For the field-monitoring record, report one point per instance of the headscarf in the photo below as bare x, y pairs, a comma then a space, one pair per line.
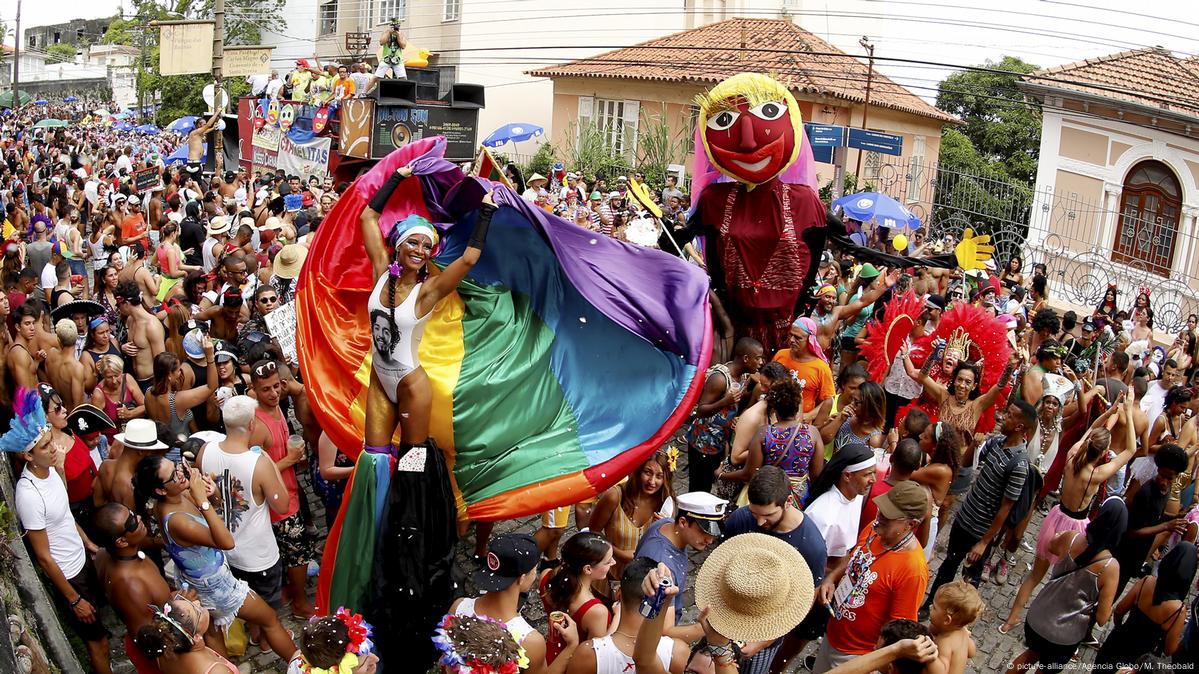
809, 327
1175, 573
1105, 531
846, 457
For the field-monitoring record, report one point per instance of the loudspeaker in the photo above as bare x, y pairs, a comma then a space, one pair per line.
395, 92
467, 96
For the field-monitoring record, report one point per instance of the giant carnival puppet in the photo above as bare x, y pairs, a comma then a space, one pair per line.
494, 360
756, 206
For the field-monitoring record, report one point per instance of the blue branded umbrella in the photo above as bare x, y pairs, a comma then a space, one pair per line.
69, 99
148, 129
124, 126
884, 210
179, 155
513, 133
41, 101
183, 124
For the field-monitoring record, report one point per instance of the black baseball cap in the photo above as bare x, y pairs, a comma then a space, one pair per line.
508, 557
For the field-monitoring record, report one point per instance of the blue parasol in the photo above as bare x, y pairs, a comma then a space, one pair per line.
148, 129
884, 210
513, 133
41, 101
183, 124
69, 99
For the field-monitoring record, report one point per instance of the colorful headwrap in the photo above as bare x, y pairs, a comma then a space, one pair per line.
809, 327
413, 224
826, 289
358, 645
444, 637
29, 424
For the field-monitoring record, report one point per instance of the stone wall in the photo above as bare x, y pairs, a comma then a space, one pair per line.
37, 643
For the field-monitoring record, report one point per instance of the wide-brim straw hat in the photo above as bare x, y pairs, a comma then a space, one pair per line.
290, 260
756, 588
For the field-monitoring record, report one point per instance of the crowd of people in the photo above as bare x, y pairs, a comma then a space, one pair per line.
162, 433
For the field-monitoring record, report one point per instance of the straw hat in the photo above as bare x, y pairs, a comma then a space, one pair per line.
756, 588
289, 261
218, 225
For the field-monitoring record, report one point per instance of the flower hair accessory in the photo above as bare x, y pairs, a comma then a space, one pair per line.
358, 643
1144, 290
492, 656
672, 458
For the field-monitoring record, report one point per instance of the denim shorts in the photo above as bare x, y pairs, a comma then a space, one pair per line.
220, 593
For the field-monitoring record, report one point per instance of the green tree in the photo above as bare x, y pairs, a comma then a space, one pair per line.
181, 94
542, 162
1003, 127
657, 147
60, 53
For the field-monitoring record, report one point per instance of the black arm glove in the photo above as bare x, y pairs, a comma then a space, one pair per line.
479, 235
379, 201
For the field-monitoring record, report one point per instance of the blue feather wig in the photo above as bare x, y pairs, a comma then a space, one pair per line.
28, 424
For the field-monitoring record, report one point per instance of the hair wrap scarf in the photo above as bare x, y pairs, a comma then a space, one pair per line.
809, 327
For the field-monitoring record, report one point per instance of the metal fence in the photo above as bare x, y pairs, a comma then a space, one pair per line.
1084, 245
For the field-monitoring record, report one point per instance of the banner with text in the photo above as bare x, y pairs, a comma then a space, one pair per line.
304, 159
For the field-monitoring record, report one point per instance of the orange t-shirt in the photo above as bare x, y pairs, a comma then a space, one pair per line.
877, 587
816, 375
133, 228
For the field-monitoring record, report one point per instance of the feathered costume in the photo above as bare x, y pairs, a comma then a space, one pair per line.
755, 201
29, 425
979, 336
556, 369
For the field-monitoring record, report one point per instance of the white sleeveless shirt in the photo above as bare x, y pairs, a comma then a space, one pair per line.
519, 625
611, 660
255, 548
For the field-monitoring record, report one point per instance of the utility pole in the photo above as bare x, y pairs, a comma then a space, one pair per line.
865, 42
141, 71
16, 63
218, 62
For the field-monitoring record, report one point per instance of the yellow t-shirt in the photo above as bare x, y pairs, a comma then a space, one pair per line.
299, 84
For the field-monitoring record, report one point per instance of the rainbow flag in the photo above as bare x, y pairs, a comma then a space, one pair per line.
485, 166
563, 361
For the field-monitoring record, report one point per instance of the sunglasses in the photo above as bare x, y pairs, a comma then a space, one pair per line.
268, 300
266, 369
131, 522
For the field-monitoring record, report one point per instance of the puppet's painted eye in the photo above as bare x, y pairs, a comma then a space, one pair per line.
723, 120
769, 111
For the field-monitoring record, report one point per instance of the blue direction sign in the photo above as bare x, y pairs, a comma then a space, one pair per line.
874, 141
825, 135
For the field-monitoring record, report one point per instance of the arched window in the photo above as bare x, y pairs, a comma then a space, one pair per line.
1149, 209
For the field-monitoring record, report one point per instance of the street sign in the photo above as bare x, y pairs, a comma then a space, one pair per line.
874, 141
243, 61
822, 154
357, 43
825, 135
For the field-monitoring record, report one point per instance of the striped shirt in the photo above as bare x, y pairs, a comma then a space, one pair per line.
1001, 474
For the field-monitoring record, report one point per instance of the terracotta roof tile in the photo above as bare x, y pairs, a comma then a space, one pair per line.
1151, 77
711, 53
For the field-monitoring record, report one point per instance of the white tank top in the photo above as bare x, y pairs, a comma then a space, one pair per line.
611, 660
395, 354
519, 625
255, 548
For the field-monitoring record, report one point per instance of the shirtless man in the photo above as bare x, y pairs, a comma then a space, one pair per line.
147, 337
831, 317
136, 271
24, 355
66, 374
195, 145
115, 481
131, 581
